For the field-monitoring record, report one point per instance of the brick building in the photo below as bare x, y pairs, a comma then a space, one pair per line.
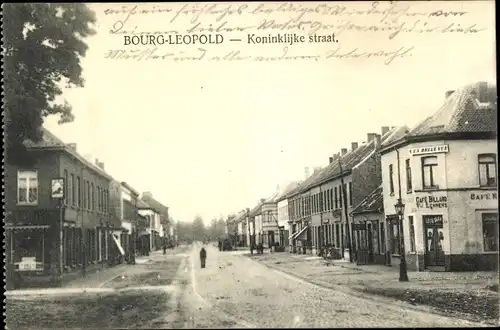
319, 200
445, 172
163, 227
49, 239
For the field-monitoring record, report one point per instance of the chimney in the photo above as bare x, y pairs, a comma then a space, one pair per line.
330, 160
354, 145
447, 94
306, 172
101, 165
343, 151
72, 146
385, 130
377, 140
482, 91
147, 194
370, 136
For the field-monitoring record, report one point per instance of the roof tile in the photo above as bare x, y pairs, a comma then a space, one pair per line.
462, 112
374, 202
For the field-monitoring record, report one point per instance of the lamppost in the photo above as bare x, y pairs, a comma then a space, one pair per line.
403, 271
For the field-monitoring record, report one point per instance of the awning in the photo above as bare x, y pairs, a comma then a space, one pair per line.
143, 233
118, 245
298, 233
127, 225
27, 227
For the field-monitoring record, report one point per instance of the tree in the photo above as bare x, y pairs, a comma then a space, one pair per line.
43, 44
198, 229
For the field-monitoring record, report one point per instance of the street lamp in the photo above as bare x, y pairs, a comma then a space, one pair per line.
403, 271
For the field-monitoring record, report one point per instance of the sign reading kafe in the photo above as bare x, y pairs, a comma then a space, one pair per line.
431, 202
428, 150
484, 196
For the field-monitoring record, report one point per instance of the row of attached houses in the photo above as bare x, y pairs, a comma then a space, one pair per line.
66, 215
443, 172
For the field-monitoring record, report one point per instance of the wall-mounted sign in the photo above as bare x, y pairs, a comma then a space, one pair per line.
57, 190
428, 150
484, 196
431, 202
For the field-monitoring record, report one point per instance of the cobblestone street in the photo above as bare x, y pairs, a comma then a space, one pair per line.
263, 297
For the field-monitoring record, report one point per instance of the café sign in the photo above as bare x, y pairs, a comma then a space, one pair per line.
484, 196
429, 150
431, 202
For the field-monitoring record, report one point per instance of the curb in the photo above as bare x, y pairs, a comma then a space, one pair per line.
386, 301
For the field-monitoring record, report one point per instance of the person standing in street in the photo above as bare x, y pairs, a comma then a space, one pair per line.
203, 257
164, 247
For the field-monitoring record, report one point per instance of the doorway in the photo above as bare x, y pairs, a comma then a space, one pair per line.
434, 237
270, 238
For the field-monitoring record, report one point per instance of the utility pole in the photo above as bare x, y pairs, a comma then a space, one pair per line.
344, 198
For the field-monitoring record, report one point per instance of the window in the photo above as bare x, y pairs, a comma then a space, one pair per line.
79, 192
72, 194
98, 199
490, 232
391, 180
88, 196
27, 187
340, 196
412, 234
487, 170
336, 199
321, 201
92, 197
350, 193
428, 171
382, 237
408, 176
66, 186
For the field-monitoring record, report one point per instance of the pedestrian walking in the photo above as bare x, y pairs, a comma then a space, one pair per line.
203, 257
164, 248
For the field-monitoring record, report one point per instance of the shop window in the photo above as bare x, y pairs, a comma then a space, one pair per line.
490, 232
394, 238
429, 165
27, 187
487, 170
412, 234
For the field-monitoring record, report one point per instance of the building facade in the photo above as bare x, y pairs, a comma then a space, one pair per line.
162, 228
445, 172
50, 239
124, 200
149, 236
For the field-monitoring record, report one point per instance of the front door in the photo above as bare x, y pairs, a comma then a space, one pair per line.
270, 238
434, 254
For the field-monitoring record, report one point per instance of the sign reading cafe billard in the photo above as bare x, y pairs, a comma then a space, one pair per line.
57, 188
429, 150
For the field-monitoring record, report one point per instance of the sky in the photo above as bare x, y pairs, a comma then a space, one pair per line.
211, 137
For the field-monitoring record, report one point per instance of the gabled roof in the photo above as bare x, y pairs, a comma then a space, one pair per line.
288, 188
300, 187
50, 141
373, 203
239, 217
462, 112
257, 209
129, 187
156, 206
350, 160
141, 205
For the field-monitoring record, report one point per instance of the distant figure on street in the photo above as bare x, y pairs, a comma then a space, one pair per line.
164, 248
203, 257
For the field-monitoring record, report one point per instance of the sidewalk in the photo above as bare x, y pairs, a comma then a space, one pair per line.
463, 293
92, 281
